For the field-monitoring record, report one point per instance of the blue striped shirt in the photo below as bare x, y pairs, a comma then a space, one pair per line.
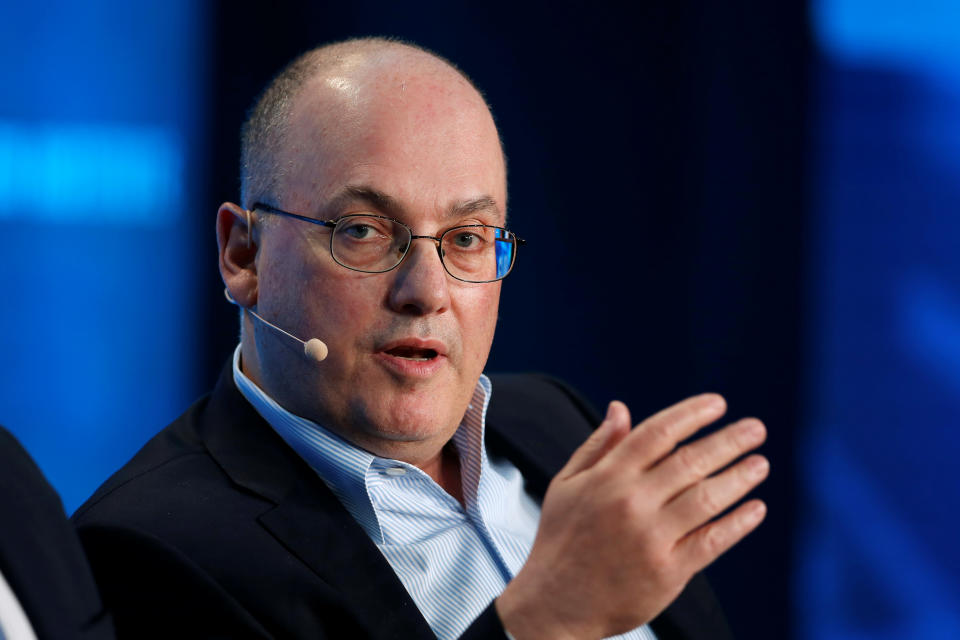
453, 559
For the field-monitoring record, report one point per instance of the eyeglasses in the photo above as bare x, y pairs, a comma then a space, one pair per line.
377, 244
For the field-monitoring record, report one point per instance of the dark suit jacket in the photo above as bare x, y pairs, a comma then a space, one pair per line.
40, 555
217, 527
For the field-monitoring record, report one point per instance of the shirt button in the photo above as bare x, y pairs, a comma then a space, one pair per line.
396, 471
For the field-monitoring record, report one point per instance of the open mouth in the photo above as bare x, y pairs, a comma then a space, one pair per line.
412, 353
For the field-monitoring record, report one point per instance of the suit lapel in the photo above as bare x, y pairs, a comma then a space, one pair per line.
307, 519
315, 527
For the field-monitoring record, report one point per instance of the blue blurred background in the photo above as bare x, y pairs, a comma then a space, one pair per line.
101, 105
750, 197
877, 549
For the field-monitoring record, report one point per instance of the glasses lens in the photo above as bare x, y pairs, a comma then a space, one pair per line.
478, 253
506, 246
369, 243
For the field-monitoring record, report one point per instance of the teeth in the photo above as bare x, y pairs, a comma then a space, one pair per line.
415, 355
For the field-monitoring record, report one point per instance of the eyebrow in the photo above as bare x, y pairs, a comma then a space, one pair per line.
353, 193
387, 203
476, 205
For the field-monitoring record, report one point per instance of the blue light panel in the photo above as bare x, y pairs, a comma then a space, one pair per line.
89, 174
878, 552
918, 33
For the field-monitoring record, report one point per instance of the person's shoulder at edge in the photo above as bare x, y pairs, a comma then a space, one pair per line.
40, 555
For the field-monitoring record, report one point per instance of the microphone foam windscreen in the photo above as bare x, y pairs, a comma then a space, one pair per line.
316, 349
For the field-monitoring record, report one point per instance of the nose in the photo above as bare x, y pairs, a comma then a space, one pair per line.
420, 286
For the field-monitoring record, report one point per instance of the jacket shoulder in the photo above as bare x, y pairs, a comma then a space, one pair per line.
515, 393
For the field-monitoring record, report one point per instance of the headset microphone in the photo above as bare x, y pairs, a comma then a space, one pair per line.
314, 348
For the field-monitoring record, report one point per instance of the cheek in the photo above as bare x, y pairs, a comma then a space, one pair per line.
315, 299
341, 309
479, 320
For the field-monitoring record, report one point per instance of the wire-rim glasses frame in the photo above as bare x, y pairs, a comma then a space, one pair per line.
505, 240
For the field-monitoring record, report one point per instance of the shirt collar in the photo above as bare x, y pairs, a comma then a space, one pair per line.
344, 467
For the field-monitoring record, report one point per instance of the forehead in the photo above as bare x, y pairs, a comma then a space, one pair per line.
416, 132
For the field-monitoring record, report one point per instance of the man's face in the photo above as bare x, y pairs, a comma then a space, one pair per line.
419, 147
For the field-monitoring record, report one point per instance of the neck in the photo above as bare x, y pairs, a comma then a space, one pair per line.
445, 471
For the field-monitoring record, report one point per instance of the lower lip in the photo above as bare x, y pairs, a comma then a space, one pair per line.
412, 368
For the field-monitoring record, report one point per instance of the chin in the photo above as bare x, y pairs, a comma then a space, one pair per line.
411, 418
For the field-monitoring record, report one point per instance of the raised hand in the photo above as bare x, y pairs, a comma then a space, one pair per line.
631, 517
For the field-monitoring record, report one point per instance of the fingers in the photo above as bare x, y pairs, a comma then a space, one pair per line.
648, 512
697, 460
706, 544
658, 435
615, 426
704, 500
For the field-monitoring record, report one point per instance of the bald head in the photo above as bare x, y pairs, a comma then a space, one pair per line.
344, 82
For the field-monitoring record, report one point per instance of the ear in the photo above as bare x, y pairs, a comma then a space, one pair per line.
238, 253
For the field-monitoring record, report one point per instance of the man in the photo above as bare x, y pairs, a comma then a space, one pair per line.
46, 588
387, 490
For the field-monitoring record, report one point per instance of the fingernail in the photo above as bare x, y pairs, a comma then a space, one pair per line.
715, 402
617, 407
758, 468
756, 513
754, 430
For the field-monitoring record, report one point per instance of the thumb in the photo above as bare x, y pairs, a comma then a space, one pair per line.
615, 426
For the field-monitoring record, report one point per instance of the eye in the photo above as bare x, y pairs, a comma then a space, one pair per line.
363, 228
358, 231
465, 240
